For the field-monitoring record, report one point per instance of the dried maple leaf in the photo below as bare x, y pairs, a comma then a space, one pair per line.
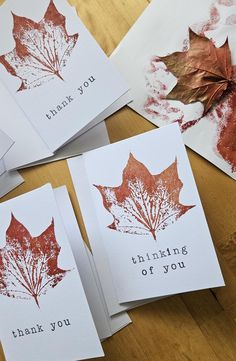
41, 49
144, 203
28, 265
204, 72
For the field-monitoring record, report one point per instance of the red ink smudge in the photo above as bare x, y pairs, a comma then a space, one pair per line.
226, 2
231, 20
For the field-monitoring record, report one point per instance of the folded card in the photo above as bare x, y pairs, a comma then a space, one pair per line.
8, 180
45, 314
5, 143
56, 72
183, 69
148, 219
106, 326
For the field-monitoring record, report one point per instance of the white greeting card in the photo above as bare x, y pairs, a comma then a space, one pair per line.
186, 26
147, 216
5, 143
8, 180
100, 261
55, 70
106, 326
29, 149
45, 315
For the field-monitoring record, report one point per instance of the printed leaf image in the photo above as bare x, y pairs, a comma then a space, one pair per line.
144, 203
226, 144
41, 49
28, 265
204, 71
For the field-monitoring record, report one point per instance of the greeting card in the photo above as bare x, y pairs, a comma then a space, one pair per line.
5, 143
55, 72
142, 201
24, 153
183, 70
106, 326
99, 262
45, 314
8, 180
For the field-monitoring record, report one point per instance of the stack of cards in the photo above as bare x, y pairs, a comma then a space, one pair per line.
183, 69
8, 180
144, 219
56, 83
46, 305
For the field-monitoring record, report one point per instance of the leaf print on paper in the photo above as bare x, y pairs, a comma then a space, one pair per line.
28, 265
41, 49
204, 71
221, 117
226, 142
144, 203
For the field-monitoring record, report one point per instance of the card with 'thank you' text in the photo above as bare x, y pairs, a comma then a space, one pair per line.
55, 72
44, 311
150, 232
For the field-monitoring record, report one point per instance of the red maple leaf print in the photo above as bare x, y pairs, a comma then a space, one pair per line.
144, 203
41, 49
28, 265
226, 142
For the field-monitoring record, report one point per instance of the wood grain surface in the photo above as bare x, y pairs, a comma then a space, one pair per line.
198, 326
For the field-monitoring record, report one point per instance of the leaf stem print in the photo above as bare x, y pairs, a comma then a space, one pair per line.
28, 265
41, 49
144, 203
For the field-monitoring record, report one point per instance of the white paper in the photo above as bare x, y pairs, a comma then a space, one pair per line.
2, 167
156, 259
76, 337
92, 139
161, 30
5, 143
28, 146
119, 321
9, 181
29, 149
57, 108
78, 174
106, 326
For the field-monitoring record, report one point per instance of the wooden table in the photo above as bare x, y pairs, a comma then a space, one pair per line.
194, 326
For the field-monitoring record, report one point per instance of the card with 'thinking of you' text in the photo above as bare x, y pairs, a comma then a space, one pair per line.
144, 218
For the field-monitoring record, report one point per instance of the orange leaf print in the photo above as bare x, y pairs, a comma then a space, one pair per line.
144, 203
204, 72
41, 49
28, 265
